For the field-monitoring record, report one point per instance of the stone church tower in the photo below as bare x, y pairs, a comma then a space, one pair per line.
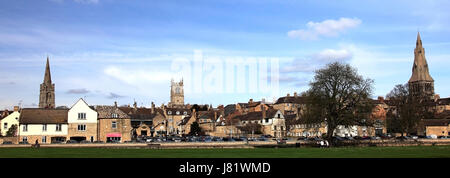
176, 94
47, 92
420, 83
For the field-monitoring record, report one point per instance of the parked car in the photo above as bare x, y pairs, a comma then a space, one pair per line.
71, 141
7, 143
85, 141
24, 142
98, 141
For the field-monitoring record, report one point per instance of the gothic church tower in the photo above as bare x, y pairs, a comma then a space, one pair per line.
176, 94
420, 84
47, 92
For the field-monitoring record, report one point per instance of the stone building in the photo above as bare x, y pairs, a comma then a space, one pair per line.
114, 124
142, 119
176, 94
174, 117
271, 122
290, 104
47, 90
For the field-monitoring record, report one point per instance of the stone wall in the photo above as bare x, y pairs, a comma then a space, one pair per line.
91, 131
123, 127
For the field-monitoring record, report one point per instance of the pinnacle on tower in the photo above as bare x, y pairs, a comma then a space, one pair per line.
47, 76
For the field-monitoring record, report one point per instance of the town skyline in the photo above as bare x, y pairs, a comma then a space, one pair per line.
85, 56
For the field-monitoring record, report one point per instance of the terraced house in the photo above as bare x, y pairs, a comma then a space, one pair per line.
82, 122
114, 124
43, 125
8, 119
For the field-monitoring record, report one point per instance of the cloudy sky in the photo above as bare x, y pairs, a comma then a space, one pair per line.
124, 50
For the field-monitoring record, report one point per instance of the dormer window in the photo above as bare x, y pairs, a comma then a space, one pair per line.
115, 115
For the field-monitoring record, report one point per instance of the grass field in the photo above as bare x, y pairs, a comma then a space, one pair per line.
354, 152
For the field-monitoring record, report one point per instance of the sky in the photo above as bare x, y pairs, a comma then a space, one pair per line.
129, 50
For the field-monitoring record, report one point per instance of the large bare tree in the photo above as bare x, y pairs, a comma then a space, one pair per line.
338, 96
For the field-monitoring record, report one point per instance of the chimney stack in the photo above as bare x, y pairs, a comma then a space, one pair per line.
295, 94
16, 108
135, 105
153, 107
115, 103
436, 97
263, 111
250, 101
263, 100
288, 95
380, 98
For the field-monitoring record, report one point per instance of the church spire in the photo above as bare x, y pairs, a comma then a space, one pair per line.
420, 83
47, 90
420, 70
47, 76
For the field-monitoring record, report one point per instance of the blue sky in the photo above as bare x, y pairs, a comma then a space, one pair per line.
111, 50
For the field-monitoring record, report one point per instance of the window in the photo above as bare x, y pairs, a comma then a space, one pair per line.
279, 115
25, 128
114, 125
5, 125
274, 127
58, 127
169, 112
185, 113
81, 127
115, 115
81, 116
24, 139
44, 127
178, 112
44, 139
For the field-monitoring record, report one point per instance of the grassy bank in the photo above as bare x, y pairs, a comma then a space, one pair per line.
353, 152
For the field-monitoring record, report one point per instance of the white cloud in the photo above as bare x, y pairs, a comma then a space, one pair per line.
318, 60
327, 28
330, 55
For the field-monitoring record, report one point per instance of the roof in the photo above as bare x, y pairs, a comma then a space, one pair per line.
142, 114
208, 114
436, 122
229, 109
5, 113
292, 99
443, 101
107, 111
185, 120
256, 115
43, 116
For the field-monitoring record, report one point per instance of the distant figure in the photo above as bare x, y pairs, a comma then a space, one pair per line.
326, 143
36, 145
321, 143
